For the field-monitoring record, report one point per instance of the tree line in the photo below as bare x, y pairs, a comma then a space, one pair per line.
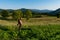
16, 14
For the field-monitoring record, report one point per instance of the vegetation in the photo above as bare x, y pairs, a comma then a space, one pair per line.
33, 30
58, 15
5, 13
41, 27
37, 32
17, 14
28, 14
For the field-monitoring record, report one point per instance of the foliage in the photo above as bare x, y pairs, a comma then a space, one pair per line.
38, 32
5, 13
58, 15
17, 14
28, 14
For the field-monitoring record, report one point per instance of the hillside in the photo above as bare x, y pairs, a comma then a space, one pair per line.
55, 12
50, 12
33, 10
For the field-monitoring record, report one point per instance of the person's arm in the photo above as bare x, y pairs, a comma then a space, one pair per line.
21, 22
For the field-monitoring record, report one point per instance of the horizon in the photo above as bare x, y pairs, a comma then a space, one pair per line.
26, 8
30, 4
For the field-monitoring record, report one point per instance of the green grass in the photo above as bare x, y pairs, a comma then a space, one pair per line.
33, 32
45, 28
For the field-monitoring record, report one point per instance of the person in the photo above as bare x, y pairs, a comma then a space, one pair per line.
19, 23
19, 27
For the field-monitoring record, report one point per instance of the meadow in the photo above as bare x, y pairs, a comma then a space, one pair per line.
33, 21
45, 28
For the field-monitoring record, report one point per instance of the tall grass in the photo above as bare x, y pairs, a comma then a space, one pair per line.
33, 32
33, 21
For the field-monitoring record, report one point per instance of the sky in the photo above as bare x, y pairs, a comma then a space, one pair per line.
30, 4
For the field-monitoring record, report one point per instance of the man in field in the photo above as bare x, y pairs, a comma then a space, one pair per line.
19, 23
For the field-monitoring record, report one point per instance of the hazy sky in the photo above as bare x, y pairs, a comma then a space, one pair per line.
30, 4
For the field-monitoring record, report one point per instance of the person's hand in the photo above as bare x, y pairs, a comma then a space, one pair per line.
17, 24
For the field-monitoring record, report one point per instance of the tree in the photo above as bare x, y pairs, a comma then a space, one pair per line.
57, 15
28, 14
5, 13
17, 14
